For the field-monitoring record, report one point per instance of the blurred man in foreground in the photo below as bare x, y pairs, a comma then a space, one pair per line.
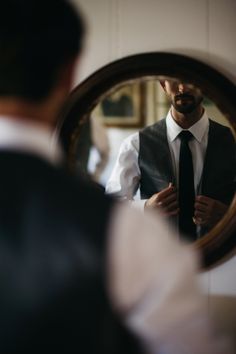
72, 260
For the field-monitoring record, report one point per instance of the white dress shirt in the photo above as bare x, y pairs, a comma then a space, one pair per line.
151, 275
27, 136
125, 177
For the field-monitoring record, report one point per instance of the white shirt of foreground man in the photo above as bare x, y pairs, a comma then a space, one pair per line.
152, 276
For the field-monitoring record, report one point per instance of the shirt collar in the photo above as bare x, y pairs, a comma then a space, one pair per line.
198, 129
28, 137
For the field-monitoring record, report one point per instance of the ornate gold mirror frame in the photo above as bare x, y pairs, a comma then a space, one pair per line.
219, 243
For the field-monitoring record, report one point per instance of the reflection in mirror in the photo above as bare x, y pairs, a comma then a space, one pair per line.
122, 107
145, 71
135, 151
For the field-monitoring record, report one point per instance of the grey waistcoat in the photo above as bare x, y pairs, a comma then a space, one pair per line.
218, 177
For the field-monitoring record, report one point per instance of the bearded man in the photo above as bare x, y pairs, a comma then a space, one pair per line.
196, 196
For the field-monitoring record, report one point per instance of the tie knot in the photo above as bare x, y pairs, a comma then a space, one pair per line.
185, 135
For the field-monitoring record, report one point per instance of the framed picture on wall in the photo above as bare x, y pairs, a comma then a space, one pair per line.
122, 107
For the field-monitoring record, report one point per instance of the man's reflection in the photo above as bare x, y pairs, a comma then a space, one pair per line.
152, 161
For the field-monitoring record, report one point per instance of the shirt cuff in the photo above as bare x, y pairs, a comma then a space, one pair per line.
138, 204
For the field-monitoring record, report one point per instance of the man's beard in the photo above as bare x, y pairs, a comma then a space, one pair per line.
186, 103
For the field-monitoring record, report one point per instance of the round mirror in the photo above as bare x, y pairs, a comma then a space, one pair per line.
126, 98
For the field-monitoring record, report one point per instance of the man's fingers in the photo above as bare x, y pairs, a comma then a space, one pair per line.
200, 207
167, 200
167, 191
160, 199
203, 200
199, 221
199, 214
171, 210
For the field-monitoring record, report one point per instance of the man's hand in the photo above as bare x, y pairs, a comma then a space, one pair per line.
165, 201
208, 211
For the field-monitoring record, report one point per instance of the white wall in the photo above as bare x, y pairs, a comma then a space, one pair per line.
204, 29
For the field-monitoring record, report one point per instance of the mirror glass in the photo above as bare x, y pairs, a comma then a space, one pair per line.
122, 168
127, 97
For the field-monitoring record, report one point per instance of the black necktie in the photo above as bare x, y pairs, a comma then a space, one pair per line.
186, 188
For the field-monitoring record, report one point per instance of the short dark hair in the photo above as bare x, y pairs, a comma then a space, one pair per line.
37, 37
